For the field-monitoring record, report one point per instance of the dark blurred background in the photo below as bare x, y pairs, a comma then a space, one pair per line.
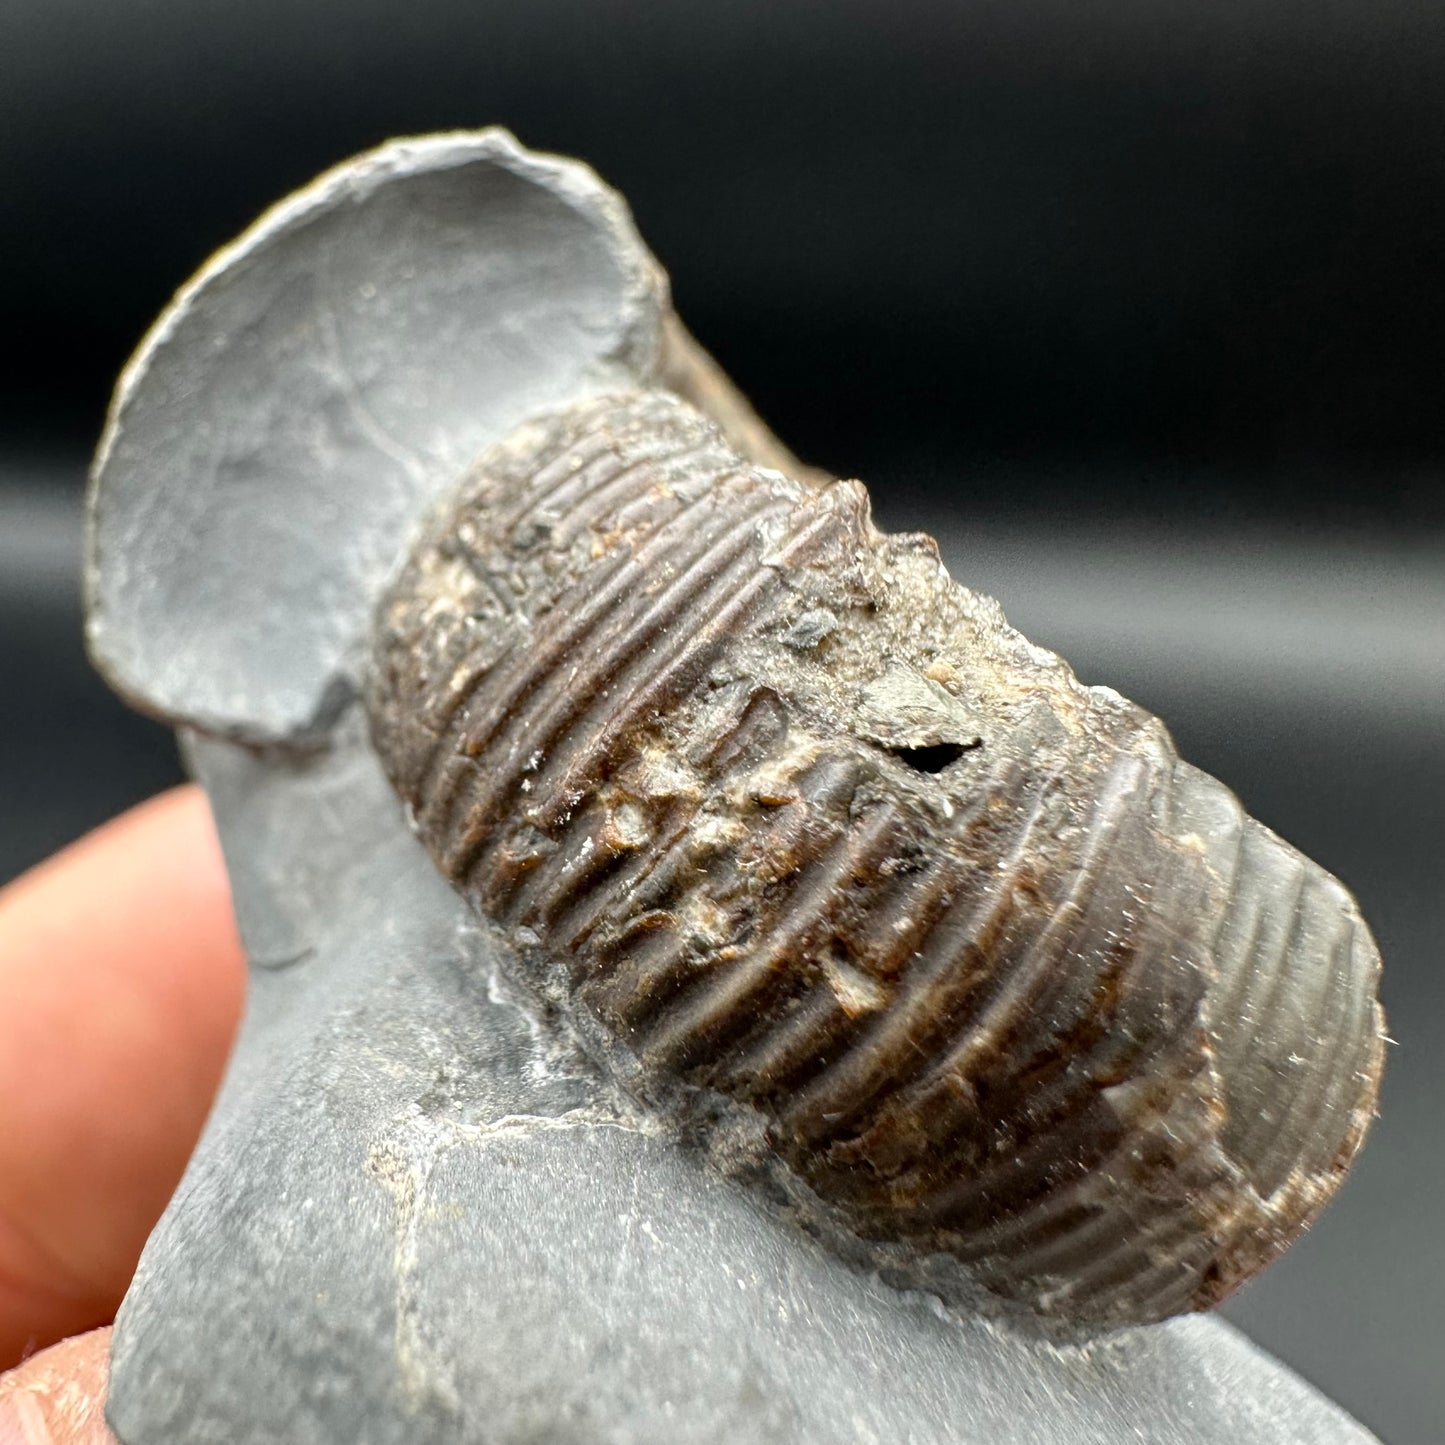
1138, 304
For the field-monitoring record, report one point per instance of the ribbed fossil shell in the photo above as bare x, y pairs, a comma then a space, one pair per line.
765, 797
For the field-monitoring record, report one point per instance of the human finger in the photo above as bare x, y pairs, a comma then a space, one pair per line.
58, 1396
121, 983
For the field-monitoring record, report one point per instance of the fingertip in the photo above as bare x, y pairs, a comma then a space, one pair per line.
58, 1396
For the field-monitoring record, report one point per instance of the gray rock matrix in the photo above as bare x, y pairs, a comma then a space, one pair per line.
418, 1213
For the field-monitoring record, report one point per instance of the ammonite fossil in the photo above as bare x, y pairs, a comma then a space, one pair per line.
805, 833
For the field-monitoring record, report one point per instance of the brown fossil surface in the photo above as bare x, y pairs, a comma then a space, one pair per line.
803, 825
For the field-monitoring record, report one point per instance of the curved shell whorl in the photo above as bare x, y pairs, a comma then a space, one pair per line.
802, 823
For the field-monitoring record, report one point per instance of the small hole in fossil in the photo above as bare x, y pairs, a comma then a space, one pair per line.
934, 758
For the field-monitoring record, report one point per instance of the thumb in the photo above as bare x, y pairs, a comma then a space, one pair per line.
58, 1396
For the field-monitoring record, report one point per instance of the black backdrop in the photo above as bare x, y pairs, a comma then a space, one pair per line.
1178, 232
1105, 292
